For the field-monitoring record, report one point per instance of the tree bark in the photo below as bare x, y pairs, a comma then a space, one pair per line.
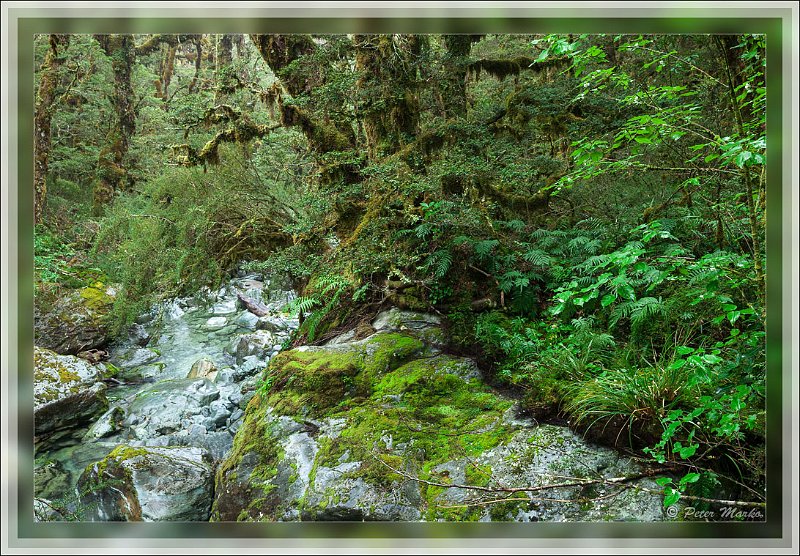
224, 59
45, 98
388, 98
112, 173
453, 87
755, 227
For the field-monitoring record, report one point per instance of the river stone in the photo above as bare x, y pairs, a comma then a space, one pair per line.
273, 323
225, 307
136, 358
106, 425
161, 407
138, 335
203, 368
66, 394
255, 343
75, 322
215, 323
149, 484
247, 320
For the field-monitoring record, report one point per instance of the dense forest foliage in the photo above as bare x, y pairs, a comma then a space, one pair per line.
586, 212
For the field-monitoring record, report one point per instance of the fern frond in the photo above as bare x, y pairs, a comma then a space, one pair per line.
439, 262
537, 257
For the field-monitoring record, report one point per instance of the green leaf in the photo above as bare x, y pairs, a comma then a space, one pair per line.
742, 157
607, 300
663, 481
626, 292
688, 451
690, 478
671, 498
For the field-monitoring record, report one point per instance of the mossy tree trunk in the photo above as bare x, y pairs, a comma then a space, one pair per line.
453, 87
388, 103
45, 104
224, 59
112, 174
167, 70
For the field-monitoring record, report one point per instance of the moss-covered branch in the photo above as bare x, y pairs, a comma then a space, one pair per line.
502, 68
243, 131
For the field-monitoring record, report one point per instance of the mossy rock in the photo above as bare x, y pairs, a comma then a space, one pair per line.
77, 321
148, 484
68, 394
351, 409
377, 429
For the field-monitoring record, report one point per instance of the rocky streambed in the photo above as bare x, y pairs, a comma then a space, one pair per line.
213, 420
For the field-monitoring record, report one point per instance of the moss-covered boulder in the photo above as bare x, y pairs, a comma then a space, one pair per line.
148, 484
67, 394
379, 429
76, 321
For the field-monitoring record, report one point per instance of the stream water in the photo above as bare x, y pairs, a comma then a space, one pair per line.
154, 401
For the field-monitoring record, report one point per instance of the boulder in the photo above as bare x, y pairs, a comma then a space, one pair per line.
67, 394
258, 343
203, 368
106, 425
75, 322
138, 335
148, 484
349, 432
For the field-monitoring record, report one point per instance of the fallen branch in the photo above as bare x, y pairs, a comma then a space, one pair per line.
572, 482
253, 305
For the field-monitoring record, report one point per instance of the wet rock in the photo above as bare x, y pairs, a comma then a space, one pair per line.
67, 394
138, 335
136, 358
203, 368
250, 366
272, 323
149, 484
161, 407
106, 425
75, 322
215, 323
247, 320
256, 343
225, 307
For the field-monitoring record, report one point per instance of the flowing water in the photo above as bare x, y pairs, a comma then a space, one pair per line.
153, 402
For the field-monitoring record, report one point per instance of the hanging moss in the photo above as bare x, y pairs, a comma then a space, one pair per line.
502, 68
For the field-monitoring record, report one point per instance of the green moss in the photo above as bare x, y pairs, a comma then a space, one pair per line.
405, 409
319, 383
95, 297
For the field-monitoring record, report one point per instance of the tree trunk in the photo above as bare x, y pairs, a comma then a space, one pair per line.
453, 87
388, 98
224, 59
755, 221
112, 174
166, 74
198, 44
45, 99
